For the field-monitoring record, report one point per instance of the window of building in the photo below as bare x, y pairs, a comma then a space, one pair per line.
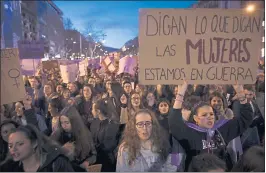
262, 52
262, 23
263, 39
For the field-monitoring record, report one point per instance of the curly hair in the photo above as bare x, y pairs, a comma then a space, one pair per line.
131, 141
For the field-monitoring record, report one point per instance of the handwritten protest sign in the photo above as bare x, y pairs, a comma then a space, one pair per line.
12, 85
108, 64
83, 65
69, 72
204, 46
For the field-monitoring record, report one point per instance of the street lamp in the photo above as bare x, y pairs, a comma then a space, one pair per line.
250, 8
74, 42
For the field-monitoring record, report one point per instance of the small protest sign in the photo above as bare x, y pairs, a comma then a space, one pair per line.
69, 72
127, 65
12, 85
203, 46
83, 66
108, 64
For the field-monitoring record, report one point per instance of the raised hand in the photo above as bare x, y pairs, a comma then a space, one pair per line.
182, 88
123, 99
240, 93
27, 101
238, 88
104, 96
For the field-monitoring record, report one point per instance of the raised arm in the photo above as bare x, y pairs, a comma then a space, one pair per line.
177, 125
238, 124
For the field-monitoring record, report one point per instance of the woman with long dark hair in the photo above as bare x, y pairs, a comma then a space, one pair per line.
207, 135
54, 108
144, 147
113, 101
32, 151
85, 106
73, 134
65, 96
26, 114
218, 103
6, 127
106, 135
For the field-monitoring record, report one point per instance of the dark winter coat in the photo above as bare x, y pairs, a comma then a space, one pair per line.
106, 135
54, 161
196, 140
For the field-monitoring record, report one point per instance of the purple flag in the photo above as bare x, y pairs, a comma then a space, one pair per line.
127, 65
31, 50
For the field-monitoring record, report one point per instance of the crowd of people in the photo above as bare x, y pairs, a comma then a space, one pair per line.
116, 123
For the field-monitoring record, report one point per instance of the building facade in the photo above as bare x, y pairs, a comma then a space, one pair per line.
51, 28
32, 20
10, 24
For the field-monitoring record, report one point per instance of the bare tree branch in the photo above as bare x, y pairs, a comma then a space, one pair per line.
94, 35
68, 25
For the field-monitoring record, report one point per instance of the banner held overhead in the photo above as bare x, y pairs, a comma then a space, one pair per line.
203, 46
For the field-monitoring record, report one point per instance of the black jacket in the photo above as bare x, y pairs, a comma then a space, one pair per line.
86, 116
106, 135
114, 106
55, 161
68, 137
194, 142
30, 116
3, 150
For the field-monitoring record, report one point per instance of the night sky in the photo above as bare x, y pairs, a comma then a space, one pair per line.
119, 19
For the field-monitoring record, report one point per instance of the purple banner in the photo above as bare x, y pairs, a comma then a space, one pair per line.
31, 49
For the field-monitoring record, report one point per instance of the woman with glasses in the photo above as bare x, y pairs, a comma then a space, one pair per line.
131, 107
145, 147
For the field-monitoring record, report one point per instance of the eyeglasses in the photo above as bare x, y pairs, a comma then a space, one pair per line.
143, 123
